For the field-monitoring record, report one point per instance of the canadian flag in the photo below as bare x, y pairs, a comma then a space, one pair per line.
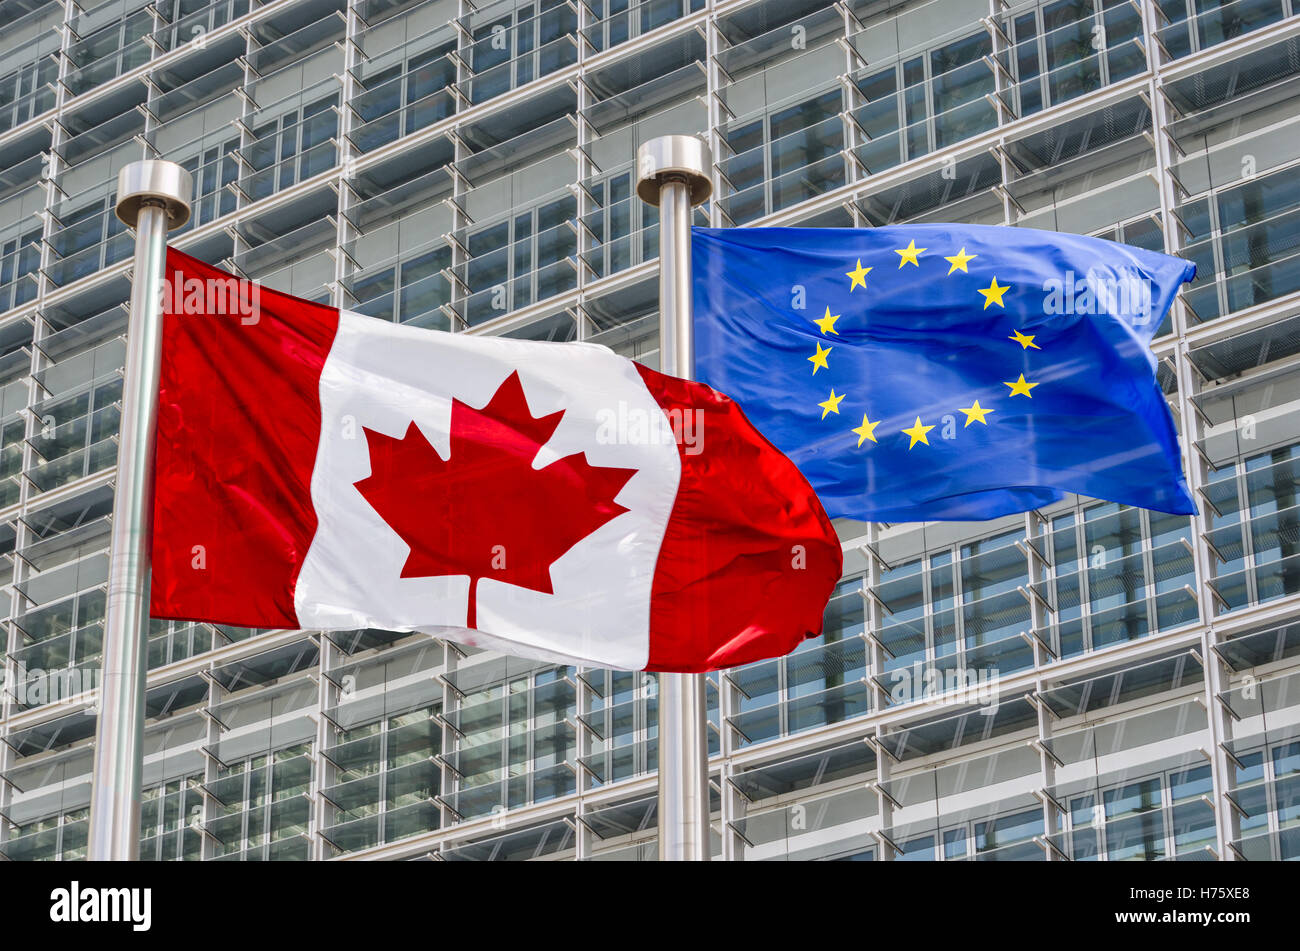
321, 469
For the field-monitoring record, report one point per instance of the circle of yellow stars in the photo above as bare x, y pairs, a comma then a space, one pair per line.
918, 432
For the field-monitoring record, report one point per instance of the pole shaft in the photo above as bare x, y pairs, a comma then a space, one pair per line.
683, 717
119, 740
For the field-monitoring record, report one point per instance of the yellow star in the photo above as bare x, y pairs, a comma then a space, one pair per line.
993, 294
960, 260
917, 432
832, 405
866, 431
859, 276
976, 413
827, 323
1021, 388
909, 254
819, 358
1025, 340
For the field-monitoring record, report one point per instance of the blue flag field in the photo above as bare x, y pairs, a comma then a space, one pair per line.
929, 372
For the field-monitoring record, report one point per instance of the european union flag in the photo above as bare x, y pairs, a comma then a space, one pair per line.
927, 372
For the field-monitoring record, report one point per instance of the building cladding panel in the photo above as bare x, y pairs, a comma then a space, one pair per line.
1083, 682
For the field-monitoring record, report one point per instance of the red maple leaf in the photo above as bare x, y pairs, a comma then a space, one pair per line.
485, 511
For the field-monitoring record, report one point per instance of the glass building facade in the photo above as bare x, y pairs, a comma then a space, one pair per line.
1084, 682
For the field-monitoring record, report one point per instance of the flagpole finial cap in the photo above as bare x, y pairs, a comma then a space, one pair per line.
673, 158
153, 182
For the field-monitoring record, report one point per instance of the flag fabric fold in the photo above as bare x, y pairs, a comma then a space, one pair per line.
946, 371
320, 469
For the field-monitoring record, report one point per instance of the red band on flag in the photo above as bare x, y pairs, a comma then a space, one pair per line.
749, 558
233, 517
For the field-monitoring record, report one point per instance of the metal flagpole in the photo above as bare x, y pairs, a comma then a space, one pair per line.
152, 197
672, 172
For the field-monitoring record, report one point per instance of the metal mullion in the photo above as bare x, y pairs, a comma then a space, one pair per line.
1197, 470
529, 276
244, 810
1273, 821
343, 265
381, 806
641, 729
150, 126
640, 723
583, 203
731, 805
1054, 579
931, 109
715, 81
765, 135
606, 753
1241, 476
958, 605
582, 843
1099, 27
530, 741
998, 41
1216, 250
1167, 814
582, 708
873, 617
782, 697
503, 756
1084, 559
1100, 820
244, 126
1038, 617
320, 765
213, 737
886, 804
1149, 568
848, 100
460, 221
451, 702
267, 786
1047, 771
